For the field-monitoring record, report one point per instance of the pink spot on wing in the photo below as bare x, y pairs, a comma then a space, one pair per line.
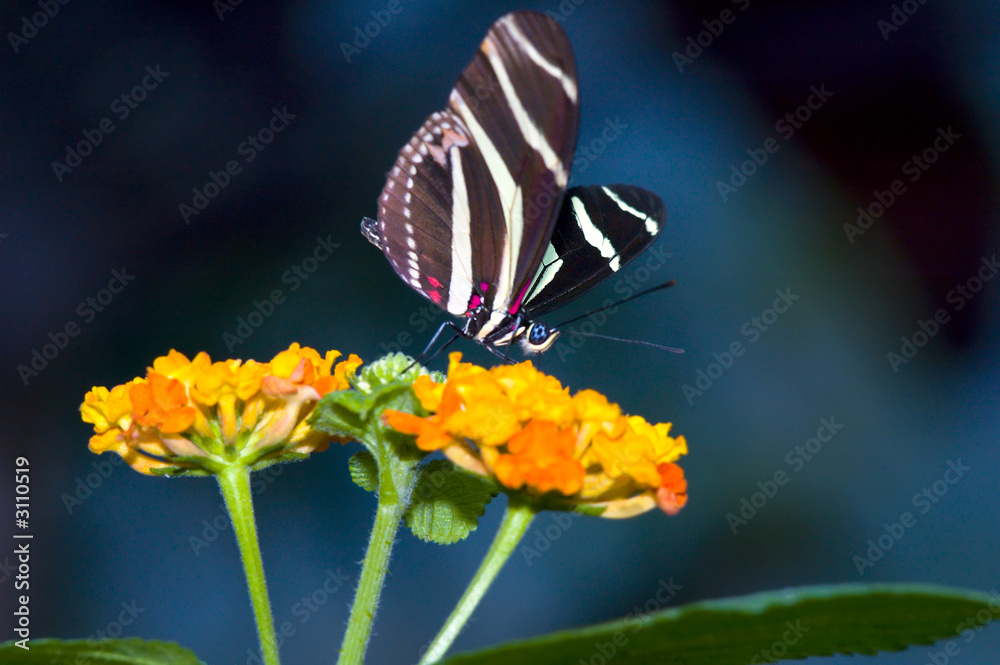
434, 282
517, 302
435, 296
484, 287
475, 301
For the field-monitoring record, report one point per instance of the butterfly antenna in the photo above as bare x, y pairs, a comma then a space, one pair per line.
661, 347
620, 302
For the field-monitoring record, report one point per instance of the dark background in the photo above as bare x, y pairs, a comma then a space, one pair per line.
128, 541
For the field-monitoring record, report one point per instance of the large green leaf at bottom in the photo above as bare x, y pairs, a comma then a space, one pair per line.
96, 652
761, 628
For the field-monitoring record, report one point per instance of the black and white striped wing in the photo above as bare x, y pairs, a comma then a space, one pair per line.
598, 231
470, 204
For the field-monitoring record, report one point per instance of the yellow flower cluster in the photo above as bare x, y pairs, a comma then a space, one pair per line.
521, 427
201, 416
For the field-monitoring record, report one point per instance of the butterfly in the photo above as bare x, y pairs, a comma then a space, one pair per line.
475, 214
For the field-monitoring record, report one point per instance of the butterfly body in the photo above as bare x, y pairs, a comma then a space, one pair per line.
475, 214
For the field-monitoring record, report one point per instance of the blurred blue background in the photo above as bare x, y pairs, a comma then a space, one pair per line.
685, 126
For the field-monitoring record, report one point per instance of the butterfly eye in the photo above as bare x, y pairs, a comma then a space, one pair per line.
538, 333
538, 338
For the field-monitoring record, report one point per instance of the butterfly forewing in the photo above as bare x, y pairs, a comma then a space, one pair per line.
471, 201
598, 231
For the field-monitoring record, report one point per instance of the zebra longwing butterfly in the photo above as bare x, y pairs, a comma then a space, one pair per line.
475, 214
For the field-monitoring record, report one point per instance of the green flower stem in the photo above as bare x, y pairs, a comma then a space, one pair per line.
235, 484
391, 507
515, 523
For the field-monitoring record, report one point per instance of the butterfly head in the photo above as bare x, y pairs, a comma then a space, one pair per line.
538, 338
369, 229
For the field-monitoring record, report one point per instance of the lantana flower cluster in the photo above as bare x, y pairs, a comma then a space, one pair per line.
523, 428
197, 416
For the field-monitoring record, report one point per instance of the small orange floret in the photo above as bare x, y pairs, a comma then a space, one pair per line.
430, 435
428, 392
162, 403
304, 366
540, 456
343, 369
672, 493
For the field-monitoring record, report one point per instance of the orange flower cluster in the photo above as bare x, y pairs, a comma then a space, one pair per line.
521, 427
198, 416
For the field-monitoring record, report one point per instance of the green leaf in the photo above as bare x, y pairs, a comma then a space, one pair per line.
354, 414
764, 627
95, 652
364, 470
447, 503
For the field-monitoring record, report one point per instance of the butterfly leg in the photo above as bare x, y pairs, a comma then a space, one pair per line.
424, 357
500, 354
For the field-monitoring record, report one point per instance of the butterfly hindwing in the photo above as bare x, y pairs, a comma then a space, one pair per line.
472, 198
598, 231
